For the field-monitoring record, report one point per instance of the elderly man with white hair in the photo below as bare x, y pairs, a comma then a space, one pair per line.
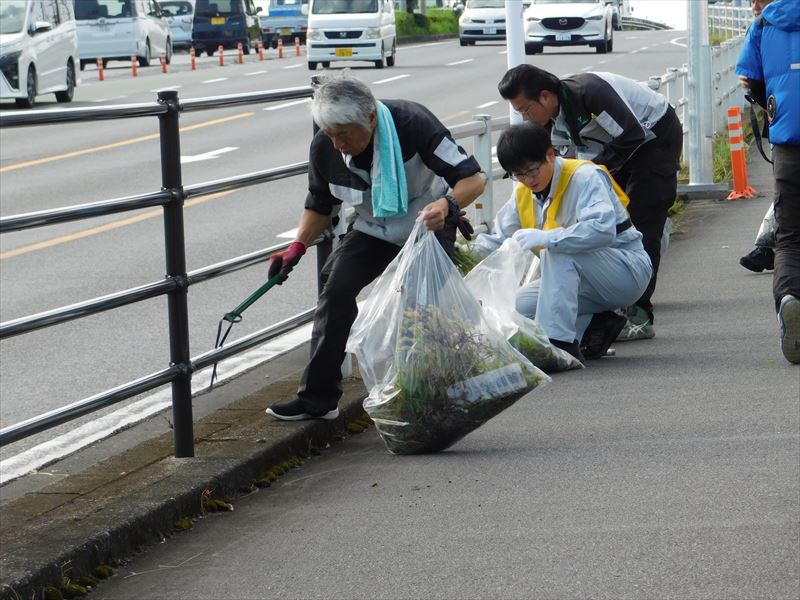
391, 160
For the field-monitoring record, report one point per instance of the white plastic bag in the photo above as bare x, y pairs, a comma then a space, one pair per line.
494, 282
766, 233
434, 367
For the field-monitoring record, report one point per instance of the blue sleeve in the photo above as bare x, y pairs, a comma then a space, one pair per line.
749, 63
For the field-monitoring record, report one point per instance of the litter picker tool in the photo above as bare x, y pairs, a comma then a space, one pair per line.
235, 316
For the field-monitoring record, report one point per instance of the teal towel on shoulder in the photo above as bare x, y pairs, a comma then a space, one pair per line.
389, 189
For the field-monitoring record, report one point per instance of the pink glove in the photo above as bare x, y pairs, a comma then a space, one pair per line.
284, 262
531, 238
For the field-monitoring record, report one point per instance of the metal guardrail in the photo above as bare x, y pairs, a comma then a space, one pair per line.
177, 281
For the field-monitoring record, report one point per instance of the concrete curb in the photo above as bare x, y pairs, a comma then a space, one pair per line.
119, 506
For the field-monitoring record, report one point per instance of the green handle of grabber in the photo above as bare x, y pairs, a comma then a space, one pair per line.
236, 314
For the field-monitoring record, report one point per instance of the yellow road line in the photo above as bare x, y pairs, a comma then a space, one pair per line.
136, 140
103, 228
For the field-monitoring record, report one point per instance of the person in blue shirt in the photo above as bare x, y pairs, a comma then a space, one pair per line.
769, 66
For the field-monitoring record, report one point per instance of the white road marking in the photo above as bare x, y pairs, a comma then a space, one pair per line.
211, 155
215, 80
164, 89
589, 68
287, 104
677, 43
395, 78
293, 66
289, 235
487, 104
254, 73
459, 62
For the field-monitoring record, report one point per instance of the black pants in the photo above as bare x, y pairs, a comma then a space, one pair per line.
650, 178
787, 215
355, 263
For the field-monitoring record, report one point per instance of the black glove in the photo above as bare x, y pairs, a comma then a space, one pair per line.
464, 226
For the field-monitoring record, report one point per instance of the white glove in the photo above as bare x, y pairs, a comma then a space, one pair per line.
531, 238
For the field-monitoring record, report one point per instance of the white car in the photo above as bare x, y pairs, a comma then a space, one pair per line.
179, 15
482, 20
38, 50
119, 29
569, 23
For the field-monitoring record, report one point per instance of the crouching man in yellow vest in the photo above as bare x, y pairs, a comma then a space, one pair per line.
572, 214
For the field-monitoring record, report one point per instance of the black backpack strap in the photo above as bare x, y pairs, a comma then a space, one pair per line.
756, 126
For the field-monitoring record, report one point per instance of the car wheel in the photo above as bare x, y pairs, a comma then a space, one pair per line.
390, 58
462, 42
610, 45
66, 95
379, 63
168, 58
312, 65
30, 87
325, 64
246, 47
533, 49
83, 64
144, 61
210, 51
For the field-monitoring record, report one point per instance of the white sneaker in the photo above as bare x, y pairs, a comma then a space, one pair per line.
789, 319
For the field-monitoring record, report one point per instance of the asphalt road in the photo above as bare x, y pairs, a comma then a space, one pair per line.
53, 166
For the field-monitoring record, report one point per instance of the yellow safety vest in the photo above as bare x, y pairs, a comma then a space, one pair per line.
525, 206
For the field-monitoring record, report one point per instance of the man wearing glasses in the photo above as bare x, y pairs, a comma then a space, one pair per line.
572, 213
623, 125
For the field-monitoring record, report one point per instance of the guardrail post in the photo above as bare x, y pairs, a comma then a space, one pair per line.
177, 304
484, 205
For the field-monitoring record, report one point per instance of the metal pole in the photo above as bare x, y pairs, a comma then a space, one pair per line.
177, 306
700, 101
515, 45
484, 205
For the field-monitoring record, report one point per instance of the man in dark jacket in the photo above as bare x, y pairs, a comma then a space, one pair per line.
392, 161
617, 122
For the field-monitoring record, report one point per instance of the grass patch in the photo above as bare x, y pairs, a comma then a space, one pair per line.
436, 22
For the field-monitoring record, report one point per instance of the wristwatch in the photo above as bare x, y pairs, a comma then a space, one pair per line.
452, 205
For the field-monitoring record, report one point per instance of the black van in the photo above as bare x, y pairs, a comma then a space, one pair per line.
225, 23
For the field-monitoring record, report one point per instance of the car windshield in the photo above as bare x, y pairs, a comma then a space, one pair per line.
86, 10
566, 1
338, 7
176, 9
209, 8
486, 3
12, 16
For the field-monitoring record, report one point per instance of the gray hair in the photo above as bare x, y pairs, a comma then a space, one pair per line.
341, 100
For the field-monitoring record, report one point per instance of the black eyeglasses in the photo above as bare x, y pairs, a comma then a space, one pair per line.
528, 174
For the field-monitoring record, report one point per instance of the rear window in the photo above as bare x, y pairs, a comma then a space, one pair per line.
12, 16
337, 7
209, 8
109, 9
176, 9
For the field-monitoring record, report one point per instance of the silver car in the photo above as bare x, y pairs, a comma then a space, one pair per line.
569, 23
179, 15
482, 20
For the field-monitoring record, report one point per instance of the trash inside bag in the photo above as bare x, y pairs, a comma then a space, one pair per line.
434, 366
494, 283
766, 233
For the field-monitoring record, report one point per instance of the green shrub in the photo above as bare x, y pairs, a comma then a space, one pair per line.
436, 22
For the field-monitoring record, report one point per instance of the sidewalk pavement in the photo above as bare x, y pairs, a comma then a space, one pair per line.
103, 514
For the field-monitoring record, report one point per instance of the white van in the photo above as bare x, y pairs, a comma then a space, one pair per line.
38, 50
351, 30
119, 29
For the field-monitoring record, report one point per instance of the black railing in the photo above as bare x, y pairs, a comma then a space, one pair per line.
177, 281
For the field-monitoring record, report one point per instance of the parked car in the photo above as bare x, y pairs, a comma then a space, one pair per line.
482, 20
569, 23
225, 23
119, 29
179, 15
38, 50
351, 30
284, 20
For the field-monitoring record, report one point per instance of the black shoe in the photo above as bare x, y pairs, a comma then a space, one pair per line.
293, 410
601, 333
572, 348
759, 259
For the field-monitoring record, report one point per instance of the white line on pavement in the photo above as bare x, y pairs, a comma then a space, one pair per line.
487, 104
395, 78
289, 235
293, 66
254, 73
287, 104
459, 62
164, 89
215, 80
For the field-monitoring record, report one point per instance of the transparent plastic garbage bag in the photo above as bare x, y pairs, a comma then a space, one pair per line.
494, 282
434, 366
766, 233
